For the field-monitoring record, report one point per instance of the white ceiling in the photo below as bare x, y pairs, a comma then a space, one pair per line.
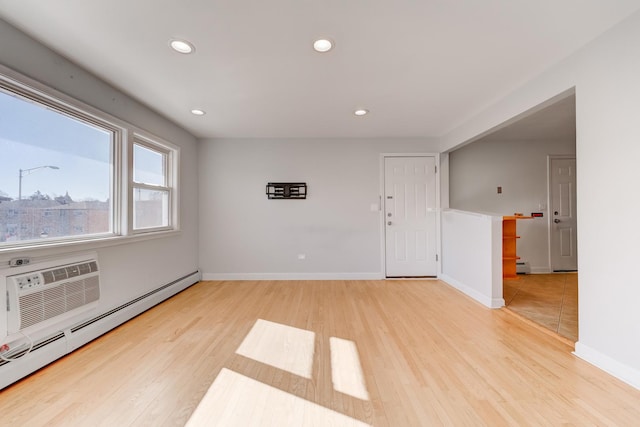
421, 67
554, 122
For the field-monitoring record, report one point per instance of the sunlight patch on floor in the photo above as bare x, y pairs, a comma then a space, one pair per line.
346, 371
281, 346
236, 400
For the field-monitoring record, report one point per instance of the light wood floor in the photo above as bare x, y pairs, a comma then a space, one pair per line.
550, 300
429, 356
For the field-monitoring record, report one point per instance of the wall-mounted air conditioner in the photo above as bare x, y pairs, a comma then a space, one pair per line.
49, 296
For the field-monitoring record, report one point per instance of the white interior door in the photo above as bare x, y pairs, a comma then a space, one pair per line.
410, 216
563, 228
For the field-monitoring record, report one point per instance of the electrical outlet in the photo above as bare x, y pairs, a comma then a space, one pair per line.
18, 262
302, 256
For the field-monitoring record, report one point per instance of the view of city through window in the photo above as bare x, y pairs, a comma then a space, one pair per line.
55, 173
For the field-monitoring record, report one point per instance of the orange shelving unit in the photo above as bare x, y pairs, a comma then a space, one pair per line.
509, 239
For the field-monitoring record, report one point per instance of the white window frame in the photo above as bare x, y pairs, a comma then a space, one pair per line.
171, 182
121, 157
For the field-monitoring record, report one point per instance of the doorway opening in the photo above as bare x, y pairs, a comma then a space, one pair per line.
526, 166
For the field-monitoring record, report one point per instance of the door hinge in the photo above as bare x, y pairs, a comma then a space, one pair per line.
436, 167
436, 257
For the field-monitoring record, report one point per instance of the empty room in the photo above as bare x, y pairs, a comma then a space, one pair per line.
294, 213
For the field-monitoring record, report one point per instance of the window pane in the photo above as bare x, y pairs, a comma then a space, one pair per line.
55, 173
148, 166
150, 208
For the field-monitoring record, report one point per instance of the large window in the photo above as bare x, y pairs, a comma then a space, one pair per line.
62, 169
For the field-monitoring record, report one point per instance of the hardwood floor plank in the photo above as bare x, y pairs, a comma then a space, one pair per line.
550, 300
429, 356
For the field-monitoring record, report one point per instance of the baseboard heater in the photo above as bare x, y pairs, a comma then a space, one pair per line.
132, 302
523, 267
36, 346
56, 345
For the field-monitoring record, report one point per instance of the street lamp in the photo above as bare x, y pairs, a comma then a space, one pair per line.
24, 172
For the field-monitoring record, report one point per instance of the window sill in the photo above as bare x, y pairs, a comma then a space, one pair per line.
42, 249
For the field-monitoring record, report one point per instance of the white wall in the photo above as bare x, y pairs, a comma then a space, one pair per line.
244, 235
131, 269
605, 75
472, 255
520, 168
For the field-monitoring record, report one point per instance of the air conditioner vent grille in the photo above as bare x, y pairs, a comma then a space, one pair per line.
64, 273
51, 302
72, 271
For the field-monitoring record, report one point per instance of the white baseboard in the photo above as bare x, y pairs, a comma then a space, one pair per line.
292, 276
481, 298
619, 370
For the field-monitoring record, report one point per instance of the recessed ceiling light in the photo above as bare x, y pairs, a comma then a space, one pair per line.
361, 112
322, 45
198, 112
182, 46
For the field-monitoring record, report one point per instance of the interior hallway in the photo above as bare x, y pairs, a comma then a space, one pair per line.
550, 300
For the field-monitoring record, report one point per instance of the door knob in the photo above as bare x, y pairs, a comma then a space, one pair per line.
389, 223
556, 220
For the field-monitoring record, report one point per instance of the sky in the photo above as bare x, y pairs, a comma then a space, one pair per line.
32, 136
